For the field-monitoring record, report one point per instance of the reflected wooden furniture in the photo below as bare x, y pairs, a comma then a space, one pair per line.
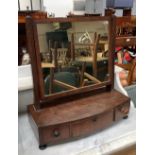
62, 84
93, 51
77, 112
47, 65
60, 57
90, 59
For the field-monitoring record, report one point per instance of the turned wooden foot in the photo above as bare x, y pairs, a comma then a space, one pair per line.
42, 147
125, 117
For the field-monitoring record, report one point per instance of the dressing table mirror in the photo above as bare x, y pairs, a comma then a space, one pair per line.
73, 76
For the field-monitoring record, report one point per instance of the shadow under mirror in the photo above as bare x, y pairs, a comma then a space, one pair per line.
73, 54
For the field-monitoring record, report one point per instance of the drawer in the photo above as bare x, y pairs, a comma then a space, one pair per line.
122, 111
54, 133
125, 41
92, 124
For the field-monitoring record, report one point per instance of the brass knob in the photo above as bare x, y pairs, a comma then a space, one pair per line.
127, 40
56, 133
94, 119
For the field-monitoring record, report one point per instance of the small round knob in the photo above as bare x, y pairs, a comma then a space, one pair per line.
94, 119
56, 133
128, 40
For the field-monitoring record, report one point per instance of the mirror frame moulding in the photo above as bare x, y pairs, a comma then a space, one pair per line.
33, 49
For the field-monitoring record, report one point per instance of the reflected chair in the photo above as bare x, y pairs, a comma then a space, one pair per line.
96, 64
58, 46
68, 78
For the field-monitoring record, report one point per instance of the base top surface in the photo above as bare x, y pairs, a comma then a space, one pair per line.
78, 109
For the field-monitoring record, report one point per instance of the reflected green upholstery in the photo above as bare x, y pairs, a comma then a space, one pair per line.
101, 65
71, 78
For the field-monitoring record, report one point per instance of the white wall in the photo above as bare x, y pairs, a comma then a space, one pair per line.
26, 3
61, 8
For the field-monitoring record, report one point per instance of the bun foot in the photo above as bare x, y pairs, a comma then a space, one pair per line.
42, 147
125, 117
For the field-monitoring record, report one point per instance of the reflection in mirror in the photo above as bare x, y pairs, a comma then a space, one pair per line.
73, 54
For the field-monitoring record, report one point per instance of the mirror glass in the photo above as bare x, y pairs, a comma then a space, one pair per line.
73, 54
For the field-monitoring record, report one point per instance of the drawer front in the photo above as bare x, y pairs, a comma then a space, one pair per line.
54, 133
125, 41
92, 124
122, 111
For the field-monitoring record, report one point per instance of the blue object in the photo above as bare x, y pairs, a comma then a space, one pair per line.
119, 4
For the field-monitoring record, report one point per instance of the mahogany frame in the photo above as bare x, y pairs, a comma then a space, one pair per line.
33, 49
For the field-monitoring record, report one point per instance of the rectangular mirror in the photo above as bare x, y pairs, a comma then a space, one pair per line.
73, 54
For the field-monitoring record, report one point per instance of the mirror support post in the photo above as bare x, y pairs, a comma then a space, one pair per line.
34, 65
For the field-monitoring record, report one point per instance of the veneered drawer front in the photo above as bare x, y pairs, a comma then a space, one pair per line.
54, 133
122, 111
92, 124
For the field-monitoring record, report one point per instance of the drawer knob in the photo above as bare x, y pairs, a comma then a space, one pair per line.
128, 40
94, 119
56, 133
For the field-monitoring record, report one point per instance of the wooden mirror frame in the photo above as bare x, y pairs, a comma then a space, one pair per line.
33, 49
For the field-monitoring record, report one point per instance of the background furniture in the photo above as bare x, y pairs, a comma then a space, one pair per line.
126, 36
22, 42
92, 58
126, 23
